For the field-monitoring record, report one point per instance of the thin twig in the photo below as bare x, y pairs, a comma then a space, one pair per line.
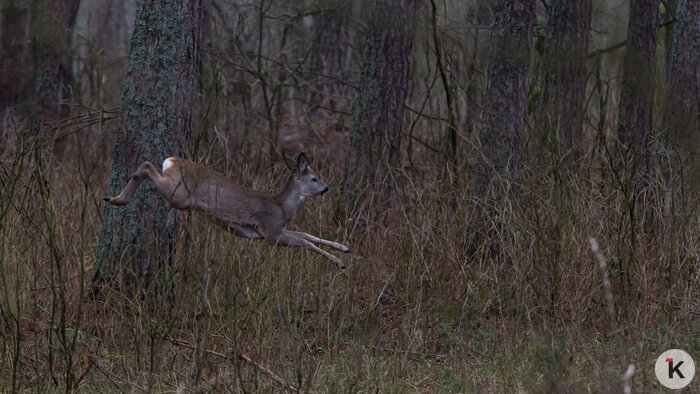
265, 370
451, 130
624, 42
608, 49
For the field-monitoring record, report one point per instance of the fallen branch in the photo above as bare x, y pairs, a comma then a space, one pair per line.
245, 358
96, 362
269, 373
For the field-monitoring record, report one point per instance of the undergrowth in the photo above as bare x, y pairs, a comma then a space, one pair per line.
427, 304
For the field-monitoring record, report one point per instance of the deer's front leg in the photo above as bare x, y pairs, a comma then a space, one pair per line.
290, 238
322, 241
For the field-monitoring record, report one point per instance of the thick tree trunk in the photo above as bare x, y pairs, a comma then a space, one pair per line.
670, 13
331, 40
375, 134
14, 24
564, 86
154, 124
503, 121
637, 91
682, 112
52, 29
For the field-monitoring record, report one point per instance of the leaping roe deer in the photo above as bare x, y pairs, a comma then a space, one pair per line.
246, 213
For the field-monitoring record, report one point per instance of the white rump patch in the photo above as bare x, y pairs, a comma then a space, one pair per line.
168, 163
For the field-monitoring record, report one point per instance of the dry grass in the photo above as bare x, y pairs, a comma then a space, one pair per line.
428, 304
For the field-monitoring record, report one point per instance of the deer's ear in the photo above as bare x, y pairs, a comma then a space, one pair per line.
302, 163
289, 161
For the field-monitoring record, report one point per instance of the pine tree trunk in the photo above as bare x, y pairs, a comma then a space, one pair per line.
138, 240
330, 47
670, 13
682, 112
375, 134
14, 24
564, 86
53, 28
503, 120
637, 90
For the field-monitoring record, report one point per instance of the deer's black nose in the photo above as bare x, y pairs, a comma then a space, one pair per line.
324, 190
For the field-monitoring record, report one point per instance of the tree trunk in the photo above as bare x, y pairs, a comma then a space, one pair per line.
331, 40
14, 24
375, 134
503, 120
637, 90
564, 87
53, 28
154, 124
670, 13
682, 113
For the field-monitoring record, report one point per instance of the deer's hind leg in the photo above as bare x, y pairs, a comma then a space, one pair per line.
145, 171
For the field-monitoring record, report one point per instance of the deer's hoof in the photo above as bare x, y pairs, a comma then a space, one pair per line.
113, 201
347, 250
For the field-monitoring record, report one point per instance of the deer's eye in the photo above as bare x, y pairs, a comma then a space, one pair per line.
314, 179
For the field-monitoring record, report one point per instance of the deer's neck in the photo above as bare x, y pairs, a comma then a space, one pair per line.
291, 198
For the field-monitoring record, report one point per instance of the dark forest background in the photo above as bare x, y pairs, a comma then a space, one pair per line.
517, 180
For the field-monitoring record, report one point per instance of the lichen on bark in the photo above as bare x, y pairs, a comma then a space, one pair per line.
503, 120
154, 124
377, 120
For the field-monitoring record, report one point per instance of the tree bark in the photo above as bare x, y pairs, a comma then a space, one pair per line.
670, 13
375, 134
14, 23
564, 86
503, 119
331, 40
682, 112
154, 124
53, 29
637, 90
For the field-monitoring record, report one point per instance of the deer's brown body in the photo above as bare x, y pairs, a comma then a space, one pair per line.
250, 214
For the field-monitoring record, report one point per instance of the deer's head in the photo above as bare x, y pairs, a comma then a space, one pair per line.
305, 179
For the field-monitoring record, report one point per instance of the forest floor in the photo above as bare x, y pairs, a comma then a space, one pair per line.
427, 303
